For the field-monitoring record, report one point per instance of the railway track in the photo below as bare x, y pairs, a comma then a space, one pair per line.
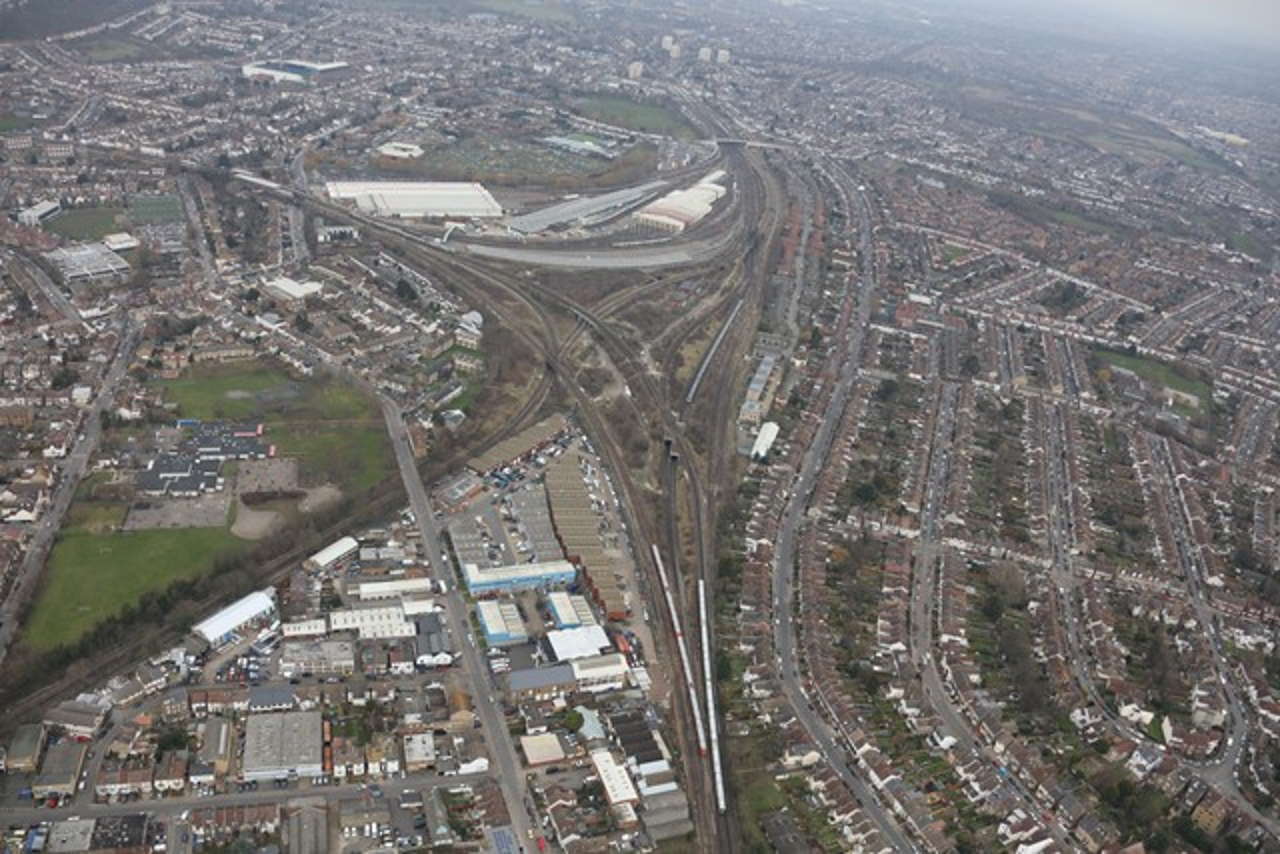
536, 330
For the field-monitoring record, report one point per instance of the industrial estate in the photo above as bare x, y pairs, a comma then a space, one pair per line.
569, 425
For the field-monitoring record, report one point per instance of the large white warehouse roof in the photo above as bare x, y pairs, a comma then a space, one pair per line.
333, 552
417, 199
235, 615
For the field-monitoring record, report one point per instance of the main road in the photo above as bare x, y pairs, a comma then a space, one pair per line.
824, 737
510, 776
265, 795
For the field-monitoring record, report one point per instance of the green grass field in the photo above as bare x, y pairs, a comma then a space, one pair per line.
94, 576
9, 121
86, 223
228, 391
634, 115
106, 49
1157, 372
155, 209
335, 430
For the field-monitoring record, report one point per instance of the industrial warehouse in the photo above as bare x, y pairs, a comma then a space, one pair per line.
683, 208
283, 744
417, 199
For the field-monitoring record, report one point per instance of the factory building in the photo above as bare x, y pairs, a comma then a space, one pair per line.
376, 623
569, 611
222, 626
618, 788
373, 590
418, 199
60, 770
317, 657
281, 745
501, 623
331, 555
598, 673
24, 750
537, 684
582, 642
682, 208
520, 576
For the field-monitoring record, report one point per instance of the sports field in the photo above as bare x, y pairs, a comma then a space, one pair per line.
634, 115
86, 223
92, 576
155, 209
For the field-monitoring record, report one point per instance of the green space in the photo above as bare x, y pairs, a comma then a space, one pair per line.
108, 49
517, 162
217, 393
155, 209
952, 253
635, 115
1120, 134
92, 576
96, 517
12, 121
86, 223
334, 429
1159, 373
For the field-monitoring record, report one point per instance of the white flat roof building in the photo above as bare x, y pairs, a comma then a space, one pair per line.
332, 553
764, 440
618, 788
582, 642
121, 242
217, 628
600, 672
289, 290
400, 150
417, 199
369, 590
373, 623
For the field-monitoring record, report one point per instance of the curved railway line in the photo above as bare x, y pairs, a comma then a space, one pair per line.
759, 203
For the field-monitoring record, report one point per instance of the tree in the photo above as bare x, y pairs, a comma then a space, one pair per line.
303, 323
65, 377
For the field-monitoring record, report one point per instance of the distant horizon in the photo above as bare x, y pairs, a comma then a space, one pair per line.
1222, 23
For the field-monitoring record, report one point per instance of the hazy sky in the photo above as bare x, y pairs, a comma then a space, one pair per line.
1254, 21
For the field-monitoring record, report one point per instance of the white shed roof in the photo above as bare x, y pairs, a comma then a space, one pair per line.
236, 614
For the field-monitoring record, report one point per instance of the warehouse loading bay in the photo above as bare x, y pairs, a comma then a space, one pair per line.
511, 522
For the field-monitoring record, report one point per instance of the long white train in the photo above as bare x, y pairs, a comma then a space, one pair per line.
708, 675
684, 653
